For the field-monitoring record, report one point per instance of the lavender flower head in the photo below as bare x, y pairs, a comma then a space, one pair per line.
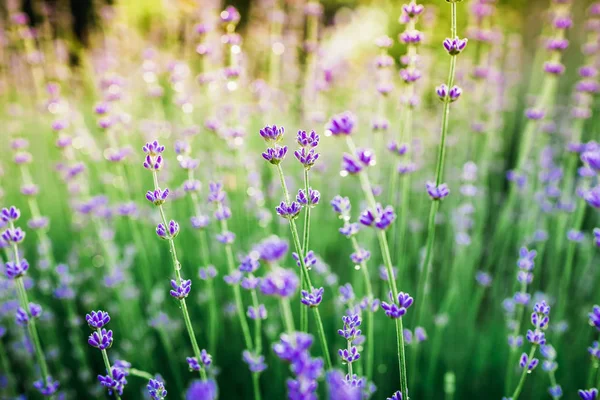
156, 389
397, 309
341, 124
281, 283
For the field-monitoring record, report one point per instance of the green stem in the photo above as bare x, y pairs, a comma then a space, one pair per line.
385, 252
305, 242
304, 270
107, 364
439, 176
524, 374
141, 374
177, 269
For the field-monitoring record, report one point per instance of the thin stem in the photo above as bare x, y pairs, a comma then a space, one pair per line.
524, 374
177, 268
31, 326
107, 364
439, 175
349, 347
305, 242
304, 270
369, 289
387, 260
140, 374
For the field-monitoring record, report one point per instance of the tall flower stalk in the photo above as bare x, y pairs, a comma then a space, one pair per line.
27, 312
168, 231
448, 93
376, 216
291, 209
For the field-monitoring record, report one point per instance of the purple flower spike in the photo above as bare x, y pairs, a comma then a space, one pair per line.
341, 124
309, 140
398, 149
255, 363
275, 155
366, 157
157, 197
437, 192
454, 46
181, 291
306, 157
10, 214
14, 269
448, 95
47, 388
311, 200
590, 394
350, 165
396, 310
156, 389
312, 299
114, 383
102, 340
281, 283
592, 197
15, 235
199, 221
153, 163
349, 356
290, 211
554, 68
597, 236
153, 148
413, 37
97, 319
396, 396
592, 159
169, 232
230, 15
21, 317
272, 134
341, 205
381, 217
216, 194
595, 317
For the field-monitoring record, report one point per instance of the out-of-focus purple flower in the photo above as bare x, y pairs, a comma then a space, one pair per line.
350, 165
526, 259
534, 114
360, 256
338, 387
10, 214
597, 236
589, 394
554, 68
592, 158
272, 249
199, 221
47, 388
256, 363
38, 223
483, 278
202, 390
575, 236
346, 293
341, 124
21, 317
593, 197
207, 273
15, 235
226, 237
16, 269
280, 282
